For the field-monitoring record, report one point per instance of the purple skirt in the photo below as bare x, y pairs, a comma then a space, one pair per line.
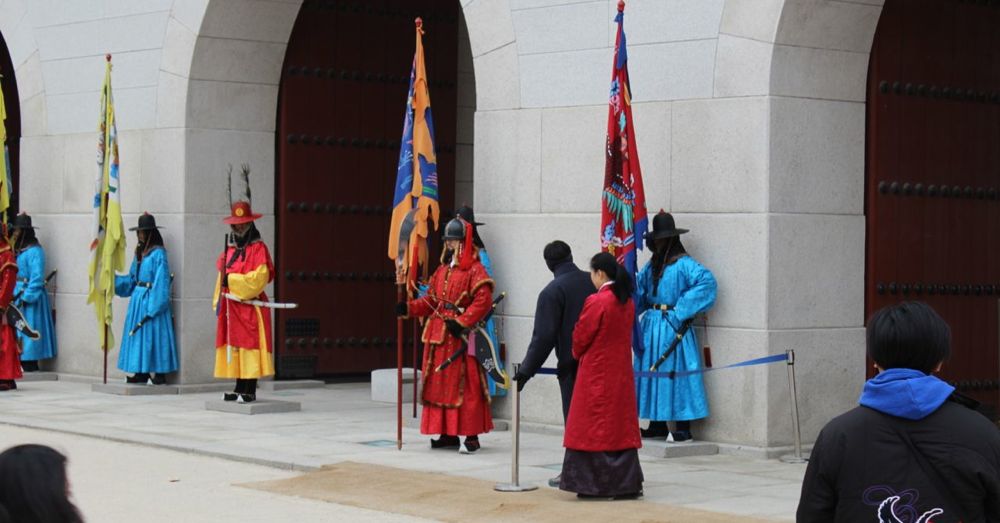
602, 473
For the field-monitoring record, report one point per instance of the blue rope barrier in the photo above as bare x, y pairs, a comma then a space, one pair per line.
669, 374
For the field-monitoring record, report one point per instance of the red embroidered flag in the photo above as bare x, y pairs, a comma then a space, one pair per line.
623, 201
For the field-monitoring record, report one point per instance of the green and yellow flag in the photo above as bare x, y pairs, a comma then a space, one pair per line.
108, 245
5, 188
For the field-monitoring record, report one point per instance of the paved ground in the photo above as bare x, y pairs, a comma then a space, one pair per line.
113, 482
338, 423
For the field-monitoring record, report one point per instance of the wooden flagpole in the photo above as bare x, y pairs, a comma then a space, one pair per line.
105, 346
399, 370
415, 363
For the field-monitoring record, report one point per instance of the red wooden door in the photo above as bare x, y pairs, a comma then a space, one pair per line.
933, 175
340, 118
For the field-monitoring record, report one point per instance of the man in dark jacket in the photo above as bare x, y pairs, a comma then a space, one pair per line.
559, 305
913, 451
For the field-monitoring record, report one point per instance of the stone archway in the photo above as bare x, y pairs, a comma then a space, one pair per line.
24, 95
817, 84
219, 87
803, 65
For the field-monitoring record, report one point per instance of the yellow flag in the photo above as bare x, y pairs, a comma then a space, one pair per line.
4, 173
108, 245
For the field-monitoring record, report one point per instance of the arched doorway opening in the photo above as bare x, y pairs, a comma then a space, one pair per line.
933, 176
339, 121
8, 86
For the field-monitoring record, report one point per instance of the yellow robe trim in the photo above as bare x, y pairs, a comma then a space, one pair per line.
246, 363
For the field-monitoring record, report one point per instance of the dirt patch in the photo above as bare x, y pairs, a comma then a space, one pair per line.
457, 499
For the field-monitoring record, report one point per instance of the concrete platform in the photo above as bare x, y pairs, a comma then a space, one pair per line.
128, 389
662, 449
272, 385
40, 376
384, 385
257, 407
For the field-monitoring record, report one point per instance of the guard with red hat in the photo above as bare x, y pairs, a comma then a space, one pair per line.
243, 334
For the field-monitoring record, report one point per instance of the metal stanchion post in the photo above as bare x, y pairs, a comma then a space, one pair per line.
797, 457
515, 435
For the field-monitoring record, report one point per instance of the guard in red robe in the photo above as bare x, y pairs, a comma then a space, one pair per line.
10, 359
243, 329
455, 399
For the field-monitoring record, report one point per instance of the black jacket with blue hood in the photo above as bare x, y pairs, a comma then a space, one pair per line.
911, 453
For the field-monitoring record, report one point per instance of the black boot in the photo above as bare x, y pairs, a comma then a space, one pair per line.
657, 429
683, 432
470, 445
249, 391
29, 365
159, 379
140, 378
232, 396
445, 442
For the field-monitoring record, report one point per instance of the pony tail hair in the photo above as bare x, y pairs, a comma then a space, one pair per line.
623, 285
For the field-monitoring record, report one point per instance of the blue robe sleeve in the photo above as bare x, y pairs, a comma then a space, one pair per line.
124, 285
700, 294
159, 293
484, 258
35, 287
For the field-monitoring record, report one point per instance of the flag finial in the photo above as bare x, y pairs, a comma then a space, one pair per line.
621, 6
419, 21
107, 57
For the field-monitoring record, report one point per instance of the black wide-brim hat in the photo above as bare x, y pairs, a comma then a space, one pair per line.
146, 223
465, 212
664, 227
22, 221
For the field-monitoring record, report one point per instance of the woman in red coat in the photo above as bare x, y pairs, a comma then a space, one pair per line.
602, 437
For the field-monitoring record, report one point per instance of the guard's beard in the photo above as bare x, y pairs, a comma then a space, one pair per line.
447, 256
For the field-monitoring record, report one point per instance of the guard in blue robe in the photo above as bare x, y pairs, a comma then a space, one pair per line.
30, 295
147, 343
465, 212
672, 288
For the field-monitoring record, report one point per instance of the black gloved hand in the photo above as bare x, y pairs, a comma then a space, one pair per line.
402, 309
454, 328
521, 379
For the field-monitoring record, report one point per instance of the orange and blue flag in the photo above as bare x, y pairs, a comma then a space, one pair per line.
416, 175
624, 220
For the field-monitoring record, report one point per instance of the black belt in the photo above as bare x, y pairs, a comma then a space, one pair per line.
146, 284
453, 307
662, 307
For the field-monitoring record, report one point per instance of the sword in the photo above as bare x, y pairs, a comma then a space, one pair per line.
454, 356
673, 345
258, 303
138, 326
